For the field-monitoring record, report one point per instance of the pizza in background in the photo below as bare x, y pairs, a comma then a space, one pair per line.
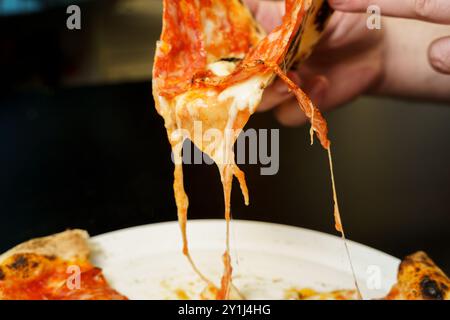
47, 269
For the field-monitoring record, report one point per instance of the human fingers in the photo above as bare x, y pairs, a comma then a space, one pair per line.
344, 30
278, 93
339, 84
427, 10
289, 112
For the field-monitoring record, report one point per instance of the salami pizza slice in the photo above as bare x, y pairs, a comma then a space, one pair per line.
212, 64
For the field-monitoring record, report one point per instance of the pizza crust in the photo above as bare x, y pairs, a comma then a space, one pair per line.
67, 245
419, 278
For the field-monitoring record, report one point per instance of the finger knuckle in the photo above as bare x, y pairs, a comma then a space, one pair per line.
425, 8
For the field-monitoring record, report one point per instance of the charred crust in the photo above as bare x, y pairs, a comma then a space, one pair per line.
430, 289
412, 260
23, 265
20, 262
2, 274
324, 13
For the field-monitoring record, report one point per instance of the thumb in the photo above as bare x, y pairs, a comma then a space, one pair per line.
439, 55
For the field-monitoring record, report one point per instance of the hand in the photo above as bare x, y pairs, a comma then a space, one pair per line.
437, 11
352, 60
346, 63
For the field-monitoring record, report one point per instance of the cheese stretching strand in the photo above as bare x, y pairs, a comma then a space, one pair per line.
319, 125
212, 65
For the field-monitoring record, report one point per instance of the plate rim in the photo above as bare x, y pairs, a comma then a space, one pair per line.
361, 253
293, 228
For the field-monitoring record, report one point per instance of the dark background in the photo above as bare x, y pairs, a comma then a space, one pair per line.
95, 156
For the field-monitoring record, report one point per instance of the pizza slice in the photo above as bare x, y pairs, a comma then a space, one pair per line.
212, 64
56, 267
419, 278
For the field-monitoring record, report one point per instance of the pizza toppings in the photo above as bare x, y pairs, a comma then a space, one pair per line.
35, 277
212, 65
197, 33
53, 268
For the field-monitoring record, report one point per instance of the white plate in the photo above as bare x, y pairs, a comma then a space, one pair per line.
146, 262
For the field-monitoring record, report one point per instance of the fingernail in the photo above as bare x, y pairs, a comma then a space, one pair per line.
439, 55
441, 66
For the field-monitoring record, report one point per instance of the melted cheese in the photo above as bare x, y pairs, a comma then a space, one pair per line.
222, 68
245, 95
229, 108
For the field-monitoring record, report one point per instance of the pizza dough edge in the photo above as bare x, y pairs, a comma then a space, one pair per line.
68, 245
